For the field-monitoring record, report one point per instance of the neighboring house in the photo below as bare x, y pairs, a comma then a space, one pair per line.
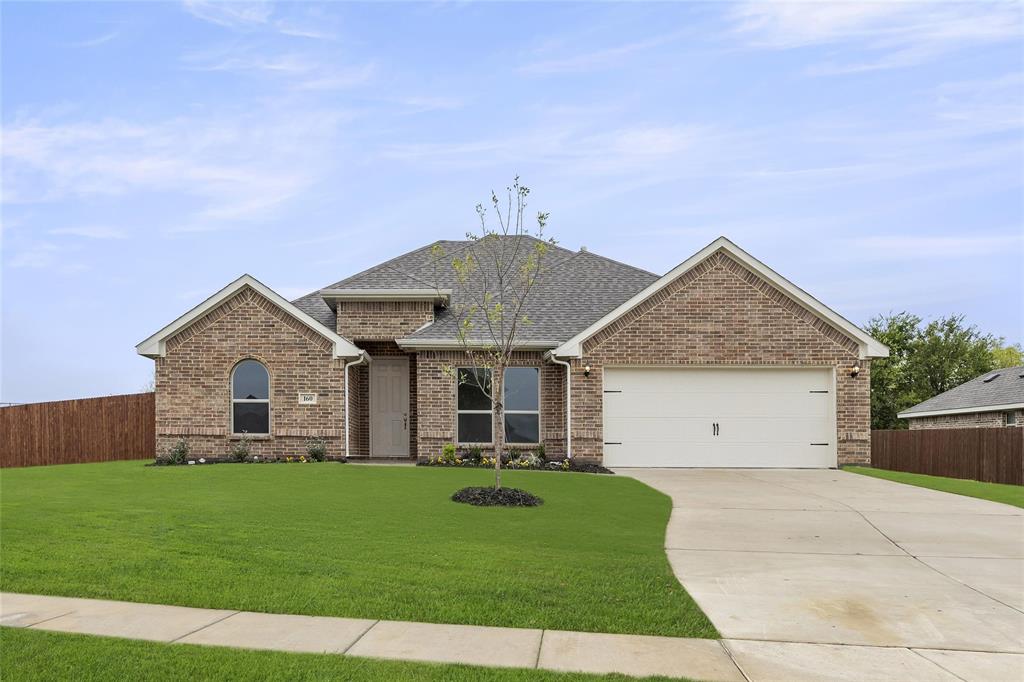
720, 362
995, 398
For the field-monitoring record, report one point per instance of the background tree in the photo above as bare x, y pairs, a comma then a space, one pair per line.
495, 278
927, 360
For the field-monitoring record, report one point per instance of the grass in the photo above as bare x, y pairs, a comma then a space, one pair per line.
348, 540
994, 492
38, 655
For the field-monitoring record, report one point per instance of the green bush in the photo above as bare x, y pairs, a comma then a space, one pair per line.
316, 449
241, 450
448, 453
178, 453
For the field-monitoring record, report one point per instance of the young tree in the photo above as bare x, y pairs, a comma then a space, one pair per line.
495, 278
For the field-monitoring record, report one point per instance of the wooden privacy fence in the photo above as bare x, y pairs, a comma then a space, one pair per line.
87, 430
990, 455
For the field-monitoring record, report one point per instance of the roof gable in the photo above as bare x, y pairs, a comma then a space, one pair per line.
868, 347
155, 345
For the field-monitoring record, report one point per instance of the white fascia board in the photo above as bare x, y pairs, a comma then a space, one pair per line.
386, 294
869, 347
450, 344
155, 345
962, 410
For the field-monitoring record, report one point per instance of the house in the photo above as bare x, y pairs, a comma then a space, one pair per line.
993, 399
720, 362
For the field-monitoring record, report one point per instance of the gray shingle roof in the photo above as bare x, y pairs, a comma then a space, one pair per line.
576, 288
1005, 389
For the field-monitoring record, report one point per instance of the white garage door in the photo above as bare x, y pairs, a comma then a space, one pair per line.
658, 417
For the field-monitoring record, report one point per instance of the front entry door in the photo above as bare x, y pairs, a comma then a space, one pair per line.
389, 407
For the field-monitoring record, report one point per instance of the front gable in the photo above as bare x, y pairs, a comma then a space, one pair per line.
733, 267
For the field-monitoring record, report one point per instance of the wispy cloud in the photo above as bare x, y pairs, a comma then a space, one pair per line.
923, 246
594, 59
894, 34
297, 70
91, 232
229, 168
98, 40
234, 14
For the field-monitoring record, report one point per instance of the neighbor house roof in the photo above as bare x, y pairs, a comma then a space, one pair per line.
1001, 389
155, 345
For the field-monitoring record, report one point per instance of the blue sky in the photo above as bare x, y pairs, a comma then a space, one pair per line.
152, 152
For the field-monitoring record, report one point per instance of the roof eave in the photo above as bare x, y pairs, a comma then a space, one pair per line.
961, 410
455, 344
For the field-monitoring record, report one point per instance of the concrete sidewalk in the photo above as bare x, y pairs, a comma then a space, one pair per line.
703, 659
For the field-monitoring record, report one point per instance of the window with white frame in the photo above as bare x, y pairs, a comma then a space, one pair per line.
522, 405
474, 407
250, 398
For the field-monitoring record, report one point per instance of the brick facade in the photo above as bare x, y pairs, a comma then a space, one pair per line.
972, 420
717, 314
193, 392
722, 314
437, 406
382, 320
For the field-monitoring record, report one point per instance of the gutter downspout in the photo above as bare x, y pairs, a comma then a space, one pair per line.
568, 404
363, 358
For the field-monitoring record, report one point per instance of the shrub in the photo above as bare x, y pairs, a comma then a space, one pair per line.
177, 453
241, 450
316, 449
542, 452
448, 453
474, 455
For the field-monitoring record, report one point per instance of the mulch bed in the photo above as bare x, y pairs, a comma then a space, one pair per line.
579, 467
489, 497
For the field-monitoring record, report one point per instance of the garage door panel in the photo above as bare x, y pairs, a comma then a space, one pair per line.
666, 405
765, 417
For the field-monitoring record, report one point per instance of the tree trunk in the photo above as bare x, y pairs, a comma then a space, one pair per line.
497, 377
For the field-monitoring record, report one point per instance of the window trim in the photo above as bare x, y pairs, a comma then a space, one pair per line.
504, 384
458, 411
231, 385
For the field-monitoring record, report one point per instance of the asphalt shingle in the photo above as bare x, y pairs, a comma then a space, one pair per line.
575, 289
1005, 389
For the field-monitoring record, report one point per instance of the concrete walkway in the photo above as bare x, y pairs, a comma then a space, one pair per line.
703, 659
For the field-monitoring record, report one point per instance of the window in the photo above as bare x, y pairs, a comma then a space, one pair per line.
522, 405
474, 407
1011, 418
250, 398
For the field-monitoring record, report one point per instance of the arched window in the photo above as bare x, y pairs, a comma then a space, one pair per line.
250, 398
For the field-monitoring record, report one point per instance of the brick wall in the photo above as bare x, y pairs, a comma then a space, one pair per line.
382, 320
720, 313
974, 420
193, 392
436, 401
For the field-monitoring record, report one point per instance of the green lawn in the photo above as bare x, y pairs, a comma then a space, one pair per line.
348, 540
994, 492
38, 655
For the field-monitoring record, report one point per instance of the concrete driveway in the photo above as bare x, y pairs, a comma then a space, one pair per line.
838, 558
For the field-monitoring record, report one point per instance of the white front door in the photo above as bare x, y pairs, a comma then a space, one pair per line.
717, 417
389, 407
